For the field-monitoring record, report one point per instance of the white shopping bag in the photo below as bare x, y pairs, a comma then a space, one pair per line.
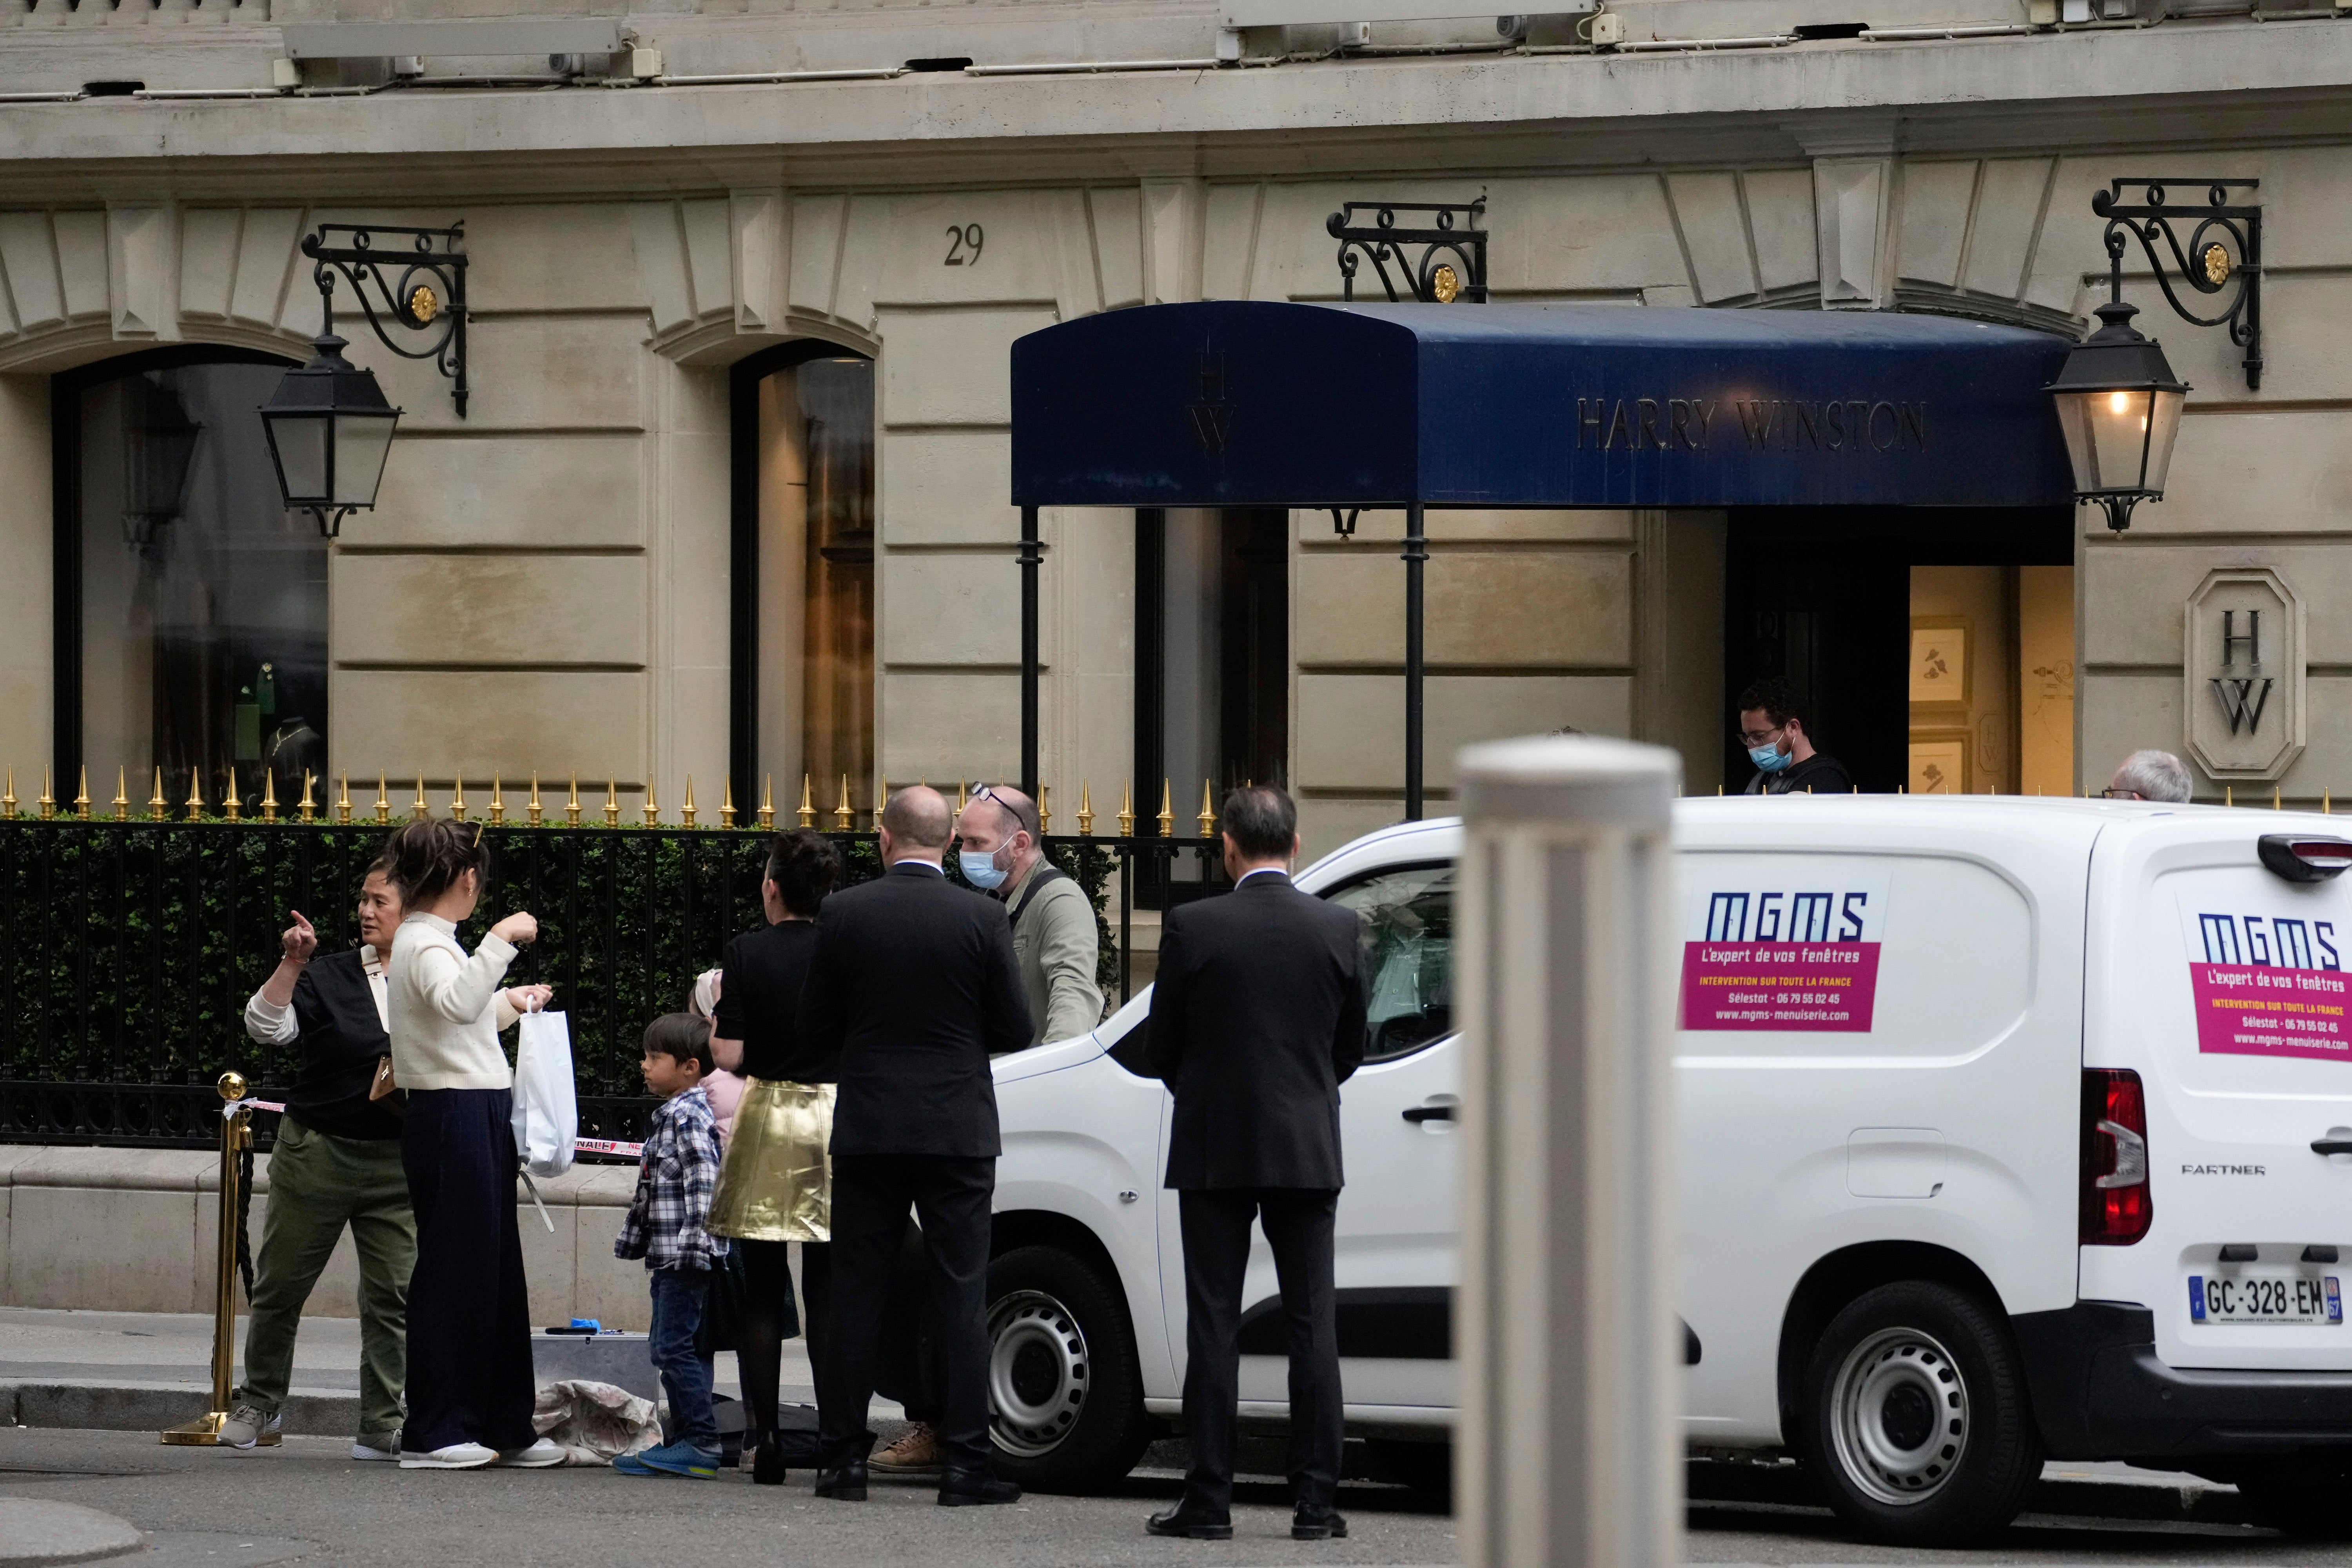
546, 1113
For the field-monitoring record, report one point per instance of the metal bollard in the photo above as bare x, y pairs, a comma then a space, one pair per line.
1568, 1444
236, 1136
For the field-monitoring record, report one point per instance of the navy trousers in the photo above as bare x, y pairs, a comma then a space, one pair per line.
469, 1369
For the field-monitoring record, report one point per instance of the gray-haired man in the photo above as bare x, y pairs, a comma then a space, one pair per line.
2150, 775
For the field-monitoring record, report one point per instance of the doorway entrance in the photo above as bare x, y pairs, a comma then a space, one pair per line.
1935, 645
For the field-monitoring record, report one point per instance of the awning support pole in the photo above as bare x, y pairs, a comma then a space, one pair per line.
1032, 556
1416, 551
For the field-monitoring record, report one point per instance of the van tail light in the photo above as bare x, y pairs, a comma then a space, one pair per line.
2117, 1206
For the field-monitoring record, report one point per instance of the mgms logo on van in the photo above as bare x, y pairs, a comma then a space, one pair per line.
1800, 956
2268, 984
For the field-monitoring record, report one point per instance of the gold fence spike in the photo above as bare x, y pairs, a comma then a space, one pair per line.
1086, 812
81, 795
196, 793
727, 804
498, 802
768, 802
881, 799
2229, 794
268, 794
344, 798
1045, 809
1208, 811
534, 813
686, 812
456, 799
156, 805
9, 801
2274, 798
961, 799
807, 809
1127, 808
1167, 811
652, 806
572, 806
49, 802
612, 802
121, 794
417, 809
842, 815
233, 798
307, 807
382, 801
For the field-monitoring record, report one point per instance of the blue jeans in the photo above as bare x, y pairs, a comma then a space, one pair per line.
678, 1296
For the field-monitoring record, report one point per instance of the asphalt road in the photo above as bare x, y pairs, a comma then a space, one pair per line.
306, 1503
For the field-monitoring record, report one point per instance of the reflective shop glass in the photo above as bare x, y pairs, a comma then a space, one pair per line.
203, 602
1406, 918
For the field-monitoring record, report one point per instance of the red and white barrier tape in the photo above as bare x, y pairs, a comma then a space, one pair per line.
606, 1146
234, 1106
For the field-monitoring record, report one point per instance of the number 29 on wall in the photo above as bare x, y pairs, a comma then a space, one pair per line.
964, 245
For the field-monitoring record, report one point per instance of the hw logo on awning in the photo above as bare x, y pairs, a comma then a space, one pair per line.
1211, 414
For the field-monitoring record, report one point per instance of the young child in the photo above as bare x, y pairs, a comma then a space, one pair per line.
665, 1226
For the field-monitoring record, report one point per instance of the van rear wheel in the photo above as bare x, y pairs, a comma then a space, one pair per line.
1916, 1421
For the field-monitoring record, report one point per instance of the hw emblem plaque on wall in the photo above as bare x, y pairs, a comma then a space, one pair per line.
2244, 674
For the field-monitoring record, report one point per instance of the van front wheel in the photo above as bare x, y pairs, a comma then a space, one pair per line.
1065, 1385
1916, 1421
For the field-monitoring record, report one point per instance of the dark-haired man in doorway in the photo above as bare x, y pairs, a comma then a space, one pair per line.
1775, 725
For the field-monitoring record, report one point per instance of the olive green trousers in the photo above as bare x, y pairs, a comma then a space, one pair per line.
317, 1184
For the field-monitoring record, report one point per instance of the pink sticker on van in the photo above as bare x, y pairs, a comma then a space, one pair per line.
2267, 984
1800, 955
1779, 986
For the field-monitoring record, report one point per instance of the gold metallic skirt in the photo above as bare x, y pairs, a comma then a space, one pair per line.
776, 1181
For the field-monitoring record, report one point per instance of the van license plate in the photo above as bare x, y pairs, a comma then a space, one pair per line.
2265, 1298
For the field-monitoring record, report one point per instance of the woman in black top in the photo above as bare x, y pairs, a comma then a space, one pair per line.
775, 1183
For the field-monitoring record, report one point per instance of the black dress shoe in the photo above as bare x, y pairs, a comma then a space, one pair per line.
1318, 1525
767, 1461
1187, 1523
844, 1483
974, 1489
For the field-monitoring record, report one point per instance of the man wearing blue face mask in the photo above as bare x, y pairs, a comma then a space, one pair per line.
1772, 727
1054, 933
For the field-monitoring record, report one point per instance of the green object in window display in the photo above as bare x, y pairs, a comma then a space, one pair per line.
248, 726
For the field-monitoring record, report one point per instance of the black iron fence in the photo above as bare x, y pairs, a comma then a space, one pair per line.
131, 946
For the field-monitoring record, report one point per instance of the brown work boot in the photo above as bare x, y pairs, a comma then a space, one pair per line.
914, 1454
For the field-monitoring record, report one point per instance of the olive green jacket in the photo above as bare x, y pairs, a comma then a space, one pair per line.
1055, 939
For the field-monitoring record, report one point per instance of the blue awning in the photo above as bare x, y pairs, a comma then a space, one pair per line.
1250, 403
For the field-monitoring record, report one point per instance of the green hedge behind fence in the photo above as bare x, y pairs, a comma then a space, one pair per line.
131, 946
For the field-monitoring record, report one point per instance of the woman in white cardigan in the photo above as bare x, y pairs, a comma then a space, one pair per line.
469, 1366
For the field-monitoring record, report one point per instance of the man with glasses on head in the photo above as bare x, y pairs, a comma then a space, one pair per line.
1054, 933
1773, 728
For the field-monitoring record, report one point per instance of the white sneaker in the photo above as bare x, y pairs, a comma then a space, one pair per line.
379, 1447
456, 1456
540, 1456
247, 1426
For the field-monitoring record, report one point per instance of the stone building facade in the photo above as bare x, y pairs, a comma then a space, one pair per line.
763, 321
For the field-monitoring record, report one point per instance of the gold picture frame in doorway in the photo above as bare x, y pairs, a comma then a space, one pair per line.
1938, 670
1940, 761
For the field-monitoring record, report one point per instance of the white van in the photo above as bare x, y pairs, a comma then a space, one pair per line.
2011, 1128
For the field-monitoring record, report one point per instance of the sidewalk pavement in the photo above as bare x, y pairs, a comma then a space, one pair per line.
145, 1371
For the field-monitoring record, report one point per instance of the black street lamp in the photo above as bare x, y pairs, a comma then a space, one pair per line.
329, 431
2118, 401
328, 425
2119, 408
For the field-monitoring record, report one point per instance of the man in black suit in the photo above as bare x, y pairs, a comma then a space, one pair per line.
1257, 1018
914, 983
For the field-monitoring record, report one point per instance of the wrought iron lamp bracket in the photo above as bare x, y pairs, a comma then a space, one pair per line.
2222, 259
1452, 261
421, 290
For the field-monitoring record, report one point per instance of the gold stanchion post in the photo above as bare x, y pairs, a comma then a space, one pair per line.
236, 1136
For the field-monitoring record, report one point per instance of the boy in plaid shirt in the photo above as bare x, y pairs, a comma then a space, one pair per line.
677, 1175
